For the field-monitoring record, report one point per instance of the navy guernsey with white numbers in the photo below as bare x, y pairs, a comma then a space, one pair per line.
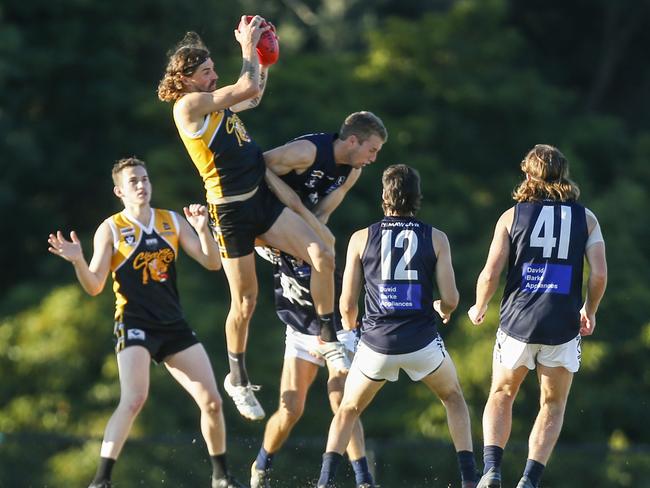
293, 301
543, 294
399, 265
323, 176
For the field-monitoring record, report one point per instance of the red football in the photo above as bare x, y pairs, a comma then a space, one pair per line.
268, 47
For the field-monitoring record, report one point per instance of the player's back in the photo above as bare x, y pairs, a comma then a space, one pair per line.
543, 293
399, 266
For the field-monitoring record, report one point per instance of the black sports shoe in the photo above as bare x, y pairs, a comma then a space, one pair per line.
101, 484
491, 479
227, 482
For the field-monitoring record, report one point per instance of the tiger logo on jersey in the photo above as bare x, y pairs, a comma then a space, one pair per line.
154, 264
234, 124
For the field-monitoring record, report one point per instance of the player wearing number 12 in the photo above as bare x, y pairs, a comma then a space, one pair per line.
399, 258
544, 239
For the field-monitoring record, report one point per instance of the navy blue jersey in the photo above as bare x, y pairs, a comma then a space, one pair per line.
543, 294
399, 265
293, 301
323, 176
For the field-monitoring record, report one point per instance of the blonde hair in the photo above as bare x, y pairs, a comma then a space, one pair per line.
547, 172
401, 190
184, 59
124, 163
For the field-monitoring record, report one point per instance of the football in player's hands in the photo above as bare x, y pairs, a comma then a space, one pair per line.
268, 47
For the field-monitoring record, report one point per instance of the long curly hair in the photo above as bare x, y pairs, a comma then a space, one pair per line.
183, 60
547, 178
401, 190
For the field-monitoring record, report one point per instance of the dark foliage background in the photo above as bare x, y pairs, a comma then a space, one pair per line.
465, 88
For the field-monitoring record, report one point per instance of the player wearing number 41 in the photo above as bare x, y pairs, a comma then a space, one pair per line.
139, 245
399, 258
544, 239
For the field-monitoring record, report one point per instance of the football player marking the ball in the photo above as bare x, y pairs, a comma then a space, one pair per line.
139, 245
322, 167
294, 306
242, 206
399, 258
544, 238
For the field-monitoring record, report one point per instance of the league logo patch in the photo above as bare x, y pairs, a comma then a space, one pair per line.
127, 230
135, 334
166, 226
314, 177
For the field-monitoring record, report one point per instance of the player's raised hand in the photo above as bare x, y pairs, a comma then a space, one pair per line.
250, 29
70, 250
476, 314
197, 215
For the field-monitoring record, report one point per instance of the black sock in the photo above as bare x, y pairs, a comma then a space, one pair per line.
533, 471
327, 330
238, 374
492, 456
467, 465
219, 469
331, 461
104, 470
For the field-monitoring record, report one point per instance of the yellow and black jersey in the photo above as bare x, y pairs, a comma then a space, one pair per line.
143, 267
226, 157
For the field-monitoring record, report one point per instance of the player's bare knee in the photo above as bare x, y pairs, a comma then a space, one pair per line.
213, 406
504, 392
348, 409
291, 410
552, 404
452, 396
244, 306
323, 260
133, 404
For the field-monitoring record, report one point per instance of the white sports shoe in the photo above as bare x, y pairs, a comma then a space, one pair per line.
335, 354
244, 398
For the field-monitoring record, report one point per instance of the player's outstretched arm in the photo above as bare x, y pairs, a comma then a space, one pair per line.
488, 280
327, 205
293, 156
445, 277
255, 100
352, 280
198, 104
597, 281
92, 277
288, 196
198, 242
